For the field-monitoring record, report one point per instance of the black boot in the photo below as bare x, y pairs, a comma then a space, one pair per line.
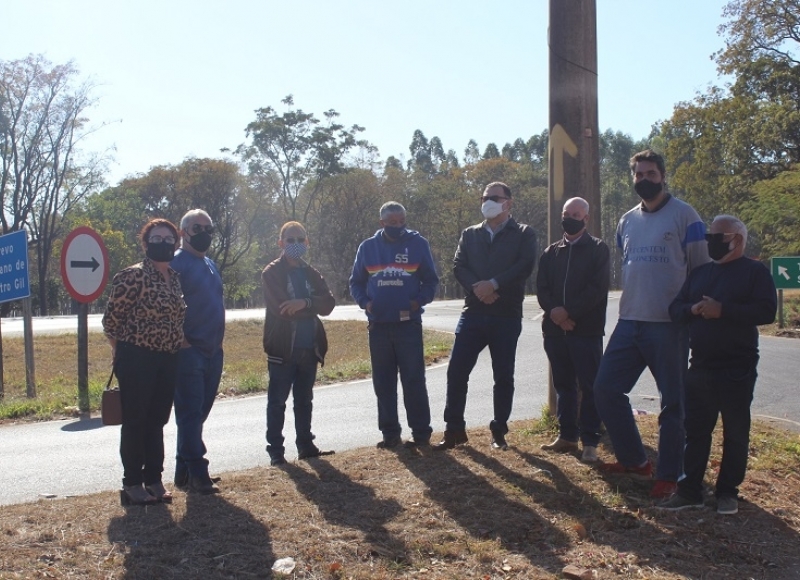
451, 439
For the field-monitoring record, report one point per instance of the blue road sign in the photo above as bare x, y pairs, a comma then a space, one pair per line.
14, 282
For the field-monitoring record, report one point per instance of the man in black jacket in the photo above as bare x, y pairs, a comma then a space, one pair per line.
572, 289
492, 262
723, 302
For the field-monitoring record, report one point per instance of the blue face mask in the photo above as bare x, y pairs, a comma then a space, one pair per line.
295, 251
394, 232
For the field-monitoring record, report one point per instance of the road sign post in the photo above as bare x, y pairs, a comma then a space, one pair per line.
786, 274
84, 269
15, 285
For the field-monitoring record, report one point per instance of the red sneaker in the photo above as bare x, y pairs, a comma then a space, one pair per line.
643, 472
663, 489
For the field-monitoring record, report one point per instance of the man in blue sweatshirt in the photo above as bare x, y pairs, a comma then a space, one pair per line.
723, 302
200, 358
393, 278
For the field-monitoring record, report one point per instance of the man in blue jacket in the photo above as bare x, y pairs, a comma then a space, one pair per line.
200, 358
393, 278
492, 262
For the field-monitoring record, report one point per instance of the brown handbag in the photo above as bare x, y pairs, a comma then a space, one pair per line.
111, 404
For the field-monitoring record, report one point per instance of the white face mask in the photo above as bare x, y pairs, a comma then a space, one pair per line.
491, 209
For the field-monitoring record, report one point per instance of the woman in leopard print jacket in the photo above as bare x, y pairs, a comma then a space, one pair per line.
144, 325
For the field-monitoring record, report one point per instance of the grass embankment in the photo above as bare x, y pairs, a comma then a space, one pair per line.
56, 364
473, 512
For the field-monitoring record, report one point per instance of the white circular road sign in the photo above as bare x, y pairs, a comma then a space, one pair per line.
84, 264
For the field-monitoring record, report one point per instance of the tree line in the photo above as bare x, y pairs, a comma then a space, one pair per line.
732, 149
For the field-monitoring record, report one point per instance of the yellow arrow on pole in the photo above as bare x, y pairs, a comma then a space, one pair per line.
560, 143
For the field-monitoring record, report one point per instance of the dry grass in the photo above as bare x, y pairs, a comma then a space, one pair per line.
468, 513
56, 361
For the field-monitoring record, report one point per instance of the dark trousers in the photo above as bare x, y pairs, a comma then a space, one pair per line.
473, 334
195, 393
296, 376
710, 393
574, 361
393, 347
147, 386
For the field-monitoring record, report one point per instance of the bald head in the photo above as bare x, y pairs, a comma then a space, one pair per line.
575, 217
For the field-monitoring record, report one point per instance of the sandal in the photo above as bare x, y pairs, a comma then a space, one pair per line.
158, 491
136, 495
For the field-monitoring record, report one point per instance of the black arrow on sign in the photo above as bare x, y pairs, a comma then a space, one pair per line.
94, 264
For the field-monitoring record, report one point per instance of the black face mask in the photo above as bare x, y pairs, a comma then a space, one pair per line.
572, 226
160, 252
718, 249
201, 241
647, 189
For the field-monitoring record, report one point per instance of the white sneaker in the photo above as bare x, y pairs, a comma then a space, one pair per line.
589, 454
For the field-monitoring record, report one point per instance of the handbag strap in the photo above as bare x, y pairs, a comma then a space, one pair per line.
108, 384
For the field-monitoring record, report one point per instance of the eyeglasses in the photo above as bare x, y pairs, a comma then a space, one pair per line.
295, 240
720, 237
494, 198
158, 239
197, 228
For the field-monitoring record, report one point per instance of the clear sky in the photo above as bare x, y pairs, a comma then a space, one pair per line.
176, 78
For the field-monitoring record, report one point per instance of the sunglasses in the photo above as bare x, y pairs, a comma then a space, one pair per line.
295, 240
159, 239
197, 228
494, 198
720, 237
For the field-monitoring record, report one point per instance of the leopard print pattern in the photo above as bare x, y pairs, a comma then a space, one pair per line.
144, 310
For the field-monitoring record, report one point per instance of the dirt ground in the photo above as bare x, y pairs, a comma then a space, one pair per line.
468, 513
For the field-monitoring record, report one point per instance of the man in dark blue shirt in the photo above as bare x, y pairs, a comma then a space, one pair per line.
200, 358
723, 302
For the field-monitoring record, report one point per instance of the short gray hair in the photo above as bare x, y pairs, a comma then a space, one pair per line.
392, 207
734, 226
193, 213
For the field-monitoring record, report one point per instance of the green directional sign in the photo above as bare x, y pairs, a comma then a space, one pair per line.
786, 271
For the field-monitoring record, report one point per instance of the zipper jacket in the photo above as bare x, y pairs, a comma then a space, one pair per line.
575, 276
279, 330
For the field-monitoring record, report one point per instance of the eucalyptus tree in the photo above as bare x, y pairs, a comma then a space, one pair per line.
297, 151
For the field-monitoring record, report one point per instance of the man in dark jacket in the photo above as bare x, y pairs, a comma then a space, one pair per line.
492, 262
294, 340
572, 289
723, 302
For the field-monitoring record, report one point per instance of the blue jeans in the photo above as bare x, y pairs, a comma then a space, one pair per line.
663, 347
393, 347
709, 394
296, 376
195, 392
474, 333
574, 361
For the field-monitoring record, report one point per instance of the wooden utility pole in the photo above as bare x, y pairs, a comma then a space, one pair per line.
574, 148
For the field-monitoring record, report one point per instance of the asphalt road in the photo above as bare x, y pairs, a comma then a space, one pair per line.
76, 457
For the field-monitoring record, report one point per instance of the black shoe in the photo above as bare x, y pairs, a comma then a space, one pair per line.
312, 452
417, 443
451, 439
277, 460
181, 479
389, 442
202, 485
499, 441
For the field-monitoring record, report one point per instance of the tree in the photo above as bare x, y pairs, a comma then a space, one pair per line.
726, 142
296, 151
42, 177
